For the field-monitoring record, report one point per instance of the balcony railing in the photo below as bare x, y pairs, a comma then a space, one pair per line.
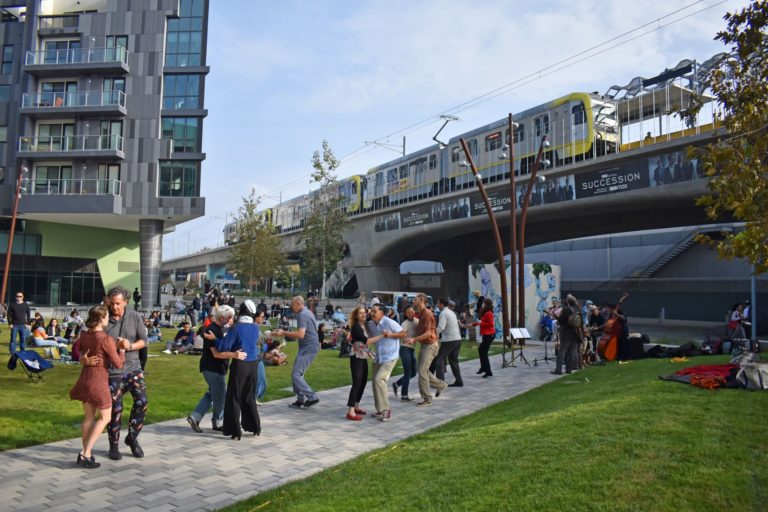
74, 99
77, 56
71, 143
76, 187
54, 22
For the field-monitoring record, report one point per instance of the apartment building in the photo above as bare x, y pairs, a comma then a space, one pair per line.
101, 117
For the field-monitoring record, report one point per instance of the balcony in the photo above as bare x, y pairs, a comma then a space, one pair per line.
72, 146
74, 60
71, 197
52, 105
58, 24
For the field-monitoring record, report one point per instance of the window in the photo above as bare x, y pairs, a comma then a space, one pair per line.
179, 179
472, 146
111, 133
520, 133
111, 88
53, 179
7, 64
109, 177
392, 175
112, 44
579, 114
5, 92
432, 161
184, 132
3, 134
455, 152
541, 124
493, 142
55, 137
184, 40
403, 171
62, 52
181, 91
57, 94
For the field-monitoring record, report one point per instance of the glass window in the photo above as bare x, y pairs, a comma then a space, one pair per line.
392, 175
7, 64
185, 35
473, 146
179, 179
579, 114
403, 171
432, 161
493, 142
53, 179
455, 151
3, 134
181, 91
520, 133
5, 92
184, 132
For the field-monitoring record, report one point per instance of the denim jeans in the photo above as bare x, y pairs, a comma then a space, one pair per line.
217, 389
410, 369
300, 366
261, 381
23, 334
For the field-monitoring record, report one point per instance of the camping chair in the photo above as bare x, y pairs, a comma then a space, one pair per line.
32, 363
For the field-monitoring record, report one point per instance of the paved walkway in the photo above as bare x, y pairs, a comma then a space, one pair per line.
183, 470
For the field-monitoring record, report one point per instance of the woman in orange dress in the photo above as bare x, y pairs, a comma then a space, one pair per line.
92, 388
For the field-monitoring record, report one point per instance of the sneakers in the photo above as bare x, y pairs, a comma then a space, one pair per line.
424, 403
133, 444
166, 351
395, 388
194, 424
406, 398
298, 404
377, 414
310, 403
114, 452
440, 391
386, 415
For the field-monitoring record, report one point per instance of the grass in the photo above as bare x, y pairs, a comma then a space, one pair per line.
38, 413
610, 438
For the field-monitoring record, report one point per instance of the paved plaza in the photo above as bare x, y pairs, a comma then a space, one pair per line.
183, 470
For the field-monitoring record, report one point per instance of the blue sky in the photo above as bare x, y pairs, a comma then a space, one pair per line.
286, 75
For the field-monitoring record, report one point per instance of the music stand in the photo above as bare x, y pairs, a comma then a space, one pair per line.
519, 335
546, 359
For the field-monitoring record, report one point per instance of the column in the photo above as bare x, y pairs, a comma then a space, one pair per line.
150, 254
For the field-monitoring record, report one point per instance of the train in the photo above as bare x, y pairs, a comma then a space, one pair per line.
579, 126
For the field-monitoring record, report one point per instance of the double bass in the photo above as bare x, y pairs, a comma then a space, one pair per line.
608, 346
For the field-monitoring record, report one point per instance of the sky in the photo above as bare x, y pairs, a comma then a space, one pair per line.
287, 75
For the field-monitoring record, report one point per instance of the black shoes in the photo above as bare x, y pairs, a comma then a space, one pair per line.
237, 435
487, 374
194, 424
440, 391
298, 404
215, 426
456, 385
134, 446
89, 463
304, 404
478, 372
114, 452
310, 403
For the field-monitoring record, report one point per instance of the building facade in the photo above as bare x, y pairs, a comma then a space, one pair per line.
101, 117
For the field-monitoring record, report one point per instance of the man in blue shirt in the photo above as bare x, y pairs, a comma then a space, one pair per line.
387, 352
309, 346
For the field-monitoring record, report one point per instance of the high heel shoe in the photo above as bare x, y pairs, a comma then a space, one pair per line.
237, 435
80, 459
90, 463
478, 372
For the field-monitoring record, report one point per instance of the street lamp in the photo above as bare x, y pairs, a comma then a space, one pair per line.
509, 146
497, 237
540, 161
22, 172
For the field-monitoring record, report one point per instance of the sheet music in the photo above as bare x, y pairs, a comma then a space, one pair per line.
520, 333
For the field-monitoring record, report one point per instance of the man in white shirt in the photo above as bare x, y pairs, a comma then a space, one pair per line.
450, 343
387, 353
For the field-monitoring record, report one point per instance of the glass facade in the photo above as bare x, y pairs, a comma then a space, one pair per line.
62, 280
181, 91
179, 179
184, 41
184, 132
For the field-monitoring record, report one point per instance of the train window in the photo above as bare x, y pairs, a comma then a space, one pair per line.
455, 151
520, 133
537, 126
493, 142
432, 161
473, 146
403, 171
546, 123
579, 114
392, 175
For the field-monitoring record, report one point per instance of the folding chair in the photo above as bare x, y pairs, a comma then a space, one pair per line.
32, 363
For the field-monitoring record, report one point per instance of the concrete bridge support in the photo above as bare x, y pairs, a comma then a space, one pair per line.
377, 277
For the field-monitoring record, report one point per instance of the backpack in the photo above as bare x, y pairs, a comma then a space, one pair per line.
576, 321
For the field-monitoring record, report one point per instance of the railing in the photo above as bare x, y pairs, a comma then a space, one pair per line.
77, 187
58, 21
74, 99
77, 56
71, 143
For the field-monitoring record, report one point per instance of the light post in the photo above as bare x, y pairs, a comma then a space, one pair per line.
523, 217
22, 172
497, 238
510, 146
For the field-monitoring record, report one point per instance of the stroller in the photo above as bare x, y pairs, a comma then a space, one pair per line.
32, 363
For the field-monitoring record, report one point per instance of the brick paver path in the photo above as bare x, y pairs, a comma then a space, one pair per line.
183, 470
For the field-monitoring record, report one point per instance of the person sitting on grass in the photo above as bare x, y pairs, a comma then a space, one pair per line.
184, 339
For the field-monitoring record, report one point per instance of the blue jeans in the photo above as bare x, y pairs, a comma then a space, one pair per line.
300, 366
410, 368
261, 381
217, 390
23, 334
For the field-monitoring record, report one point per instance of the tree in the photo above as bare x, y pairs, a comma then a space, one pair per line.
737, 164
326, 220
256, 253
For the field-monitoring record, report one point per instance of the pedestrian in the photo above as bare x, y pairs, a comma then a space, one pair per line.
387, 352
240, 410
92, 387
214, 366
450, 343
136, 298
427, 336
309, 346
125, 324
570, 338
358, 361
19, 318
488, 333
407, 356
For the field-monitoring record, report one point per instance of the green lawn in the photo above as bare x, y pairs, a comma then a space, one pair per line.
37, 413
609, 438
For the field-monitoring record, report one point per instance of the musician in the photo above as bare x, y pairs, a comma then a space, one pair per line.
570, 338
595, 323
